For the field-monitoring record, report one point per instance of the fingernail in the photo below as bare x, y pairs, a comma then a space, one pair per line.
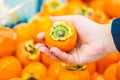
38, 45
41, 35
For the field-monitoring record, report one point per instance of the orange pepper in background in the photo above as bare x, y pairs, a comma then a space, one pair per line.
112, 8
110, 72
97, 77
106, 61
35, 71
46, 60
118, 71
55, 69
27, 53
74, 73
9, 67
23, 32
8, 41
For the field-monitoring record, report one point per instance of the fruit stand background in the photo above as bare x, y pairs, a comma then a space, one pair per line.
17, 11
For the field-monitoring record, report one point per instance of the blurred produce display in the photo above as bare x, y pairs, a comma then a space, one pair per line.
20, 60
16, 11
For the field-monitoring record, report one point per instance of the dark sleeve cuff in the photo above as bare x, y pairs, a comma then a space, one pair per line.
115, 30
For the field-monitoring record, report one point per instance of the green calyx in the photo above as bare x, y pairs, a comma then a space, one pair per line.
60, 31
54, 5
85, 11
76, 67
31, 76
33, 53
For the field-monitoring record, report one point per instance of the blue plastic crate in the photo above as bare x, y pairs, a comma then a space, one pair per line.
16, 11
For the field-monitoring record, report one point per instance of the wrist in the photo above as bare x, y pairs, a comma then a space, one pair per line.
108, 41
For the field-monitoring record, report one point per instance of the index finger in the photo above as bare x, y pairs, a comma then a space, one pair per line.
70, 18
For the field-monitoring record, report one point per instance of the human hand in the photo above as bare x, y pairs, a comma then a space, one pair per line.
94, 41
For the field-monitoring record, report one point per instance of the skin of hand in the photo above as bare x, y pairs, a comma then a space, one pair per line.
94, 41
